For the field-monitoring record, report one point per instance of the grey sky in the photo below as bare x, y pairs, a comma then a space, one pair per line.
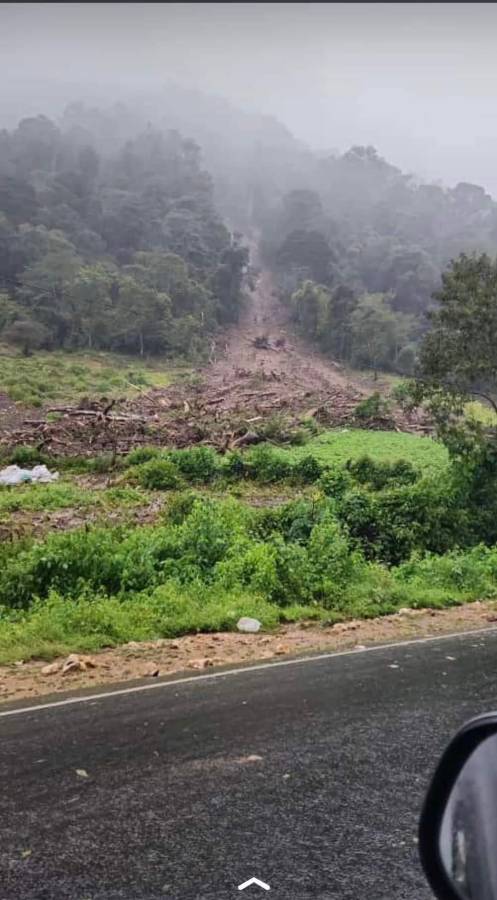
418, 81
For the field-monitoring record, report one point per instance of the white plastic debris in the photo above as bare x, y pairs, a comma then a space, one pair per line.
15, 475
250, 626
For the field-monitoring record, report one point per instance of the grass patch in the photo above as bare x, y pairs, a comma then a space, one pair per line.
64, 495
61, 377
55, 627
337, 446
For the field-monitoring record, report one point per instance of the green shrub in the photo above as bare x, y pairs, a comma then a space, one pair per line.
379, 475
393, 523
334, 482
207, 534
158, 475
102, 464
234, 465
27, 457
372, 407
307, 470
180, 507
212, 561
334, 565
141, 455
198, 464
266, 465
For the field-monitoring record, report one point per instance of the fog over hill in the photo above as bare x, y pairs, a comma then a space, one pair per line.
139, 140
415, 80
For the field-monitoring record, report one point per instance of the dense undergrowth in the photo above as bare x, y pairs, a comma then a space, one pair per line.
360, 539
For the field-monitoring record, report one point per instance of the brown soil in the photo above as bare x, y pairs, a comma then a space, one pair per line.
241, 387
204, 651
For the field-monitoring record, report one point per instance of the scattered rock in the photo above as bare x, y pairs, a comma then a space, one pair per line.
51, 669
200, 663
360, 647
82, 773
151, 670
339, 627
75, 663
248, 625
281, 649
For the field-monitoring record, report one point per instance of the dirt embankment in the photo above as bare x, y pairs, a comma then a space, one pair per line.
203, 652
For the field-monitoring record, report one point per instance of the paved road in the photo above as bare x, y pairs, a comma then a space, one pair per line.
173, 809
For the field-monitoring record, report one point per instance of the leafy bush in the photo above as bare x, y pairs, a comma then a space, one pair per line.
378, 475
334, 482
266, 465
180, 507
26, 456
141, 455
102, 464
234, 465
372, 407
198, 464
158, 475
307, 470
392, 524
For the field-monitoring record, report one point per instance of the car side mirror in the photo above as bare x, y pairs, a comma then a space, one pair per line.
458, 824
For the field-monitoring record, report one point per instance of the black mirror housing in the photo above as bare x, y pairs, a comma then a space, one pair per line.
448, 770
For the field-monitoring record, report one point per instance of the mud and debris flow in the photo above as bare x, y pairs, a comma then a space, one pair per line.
258, 367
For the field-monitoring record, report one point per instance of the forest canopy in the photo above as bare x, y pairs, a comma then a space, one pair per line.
120, 229
124, 251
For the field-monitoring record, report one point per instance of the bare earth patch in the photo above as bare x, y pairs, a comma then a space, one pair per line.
205, 651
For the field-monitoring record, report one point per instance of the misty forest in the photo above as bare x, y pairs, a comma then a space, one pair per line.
121, 229
259, 380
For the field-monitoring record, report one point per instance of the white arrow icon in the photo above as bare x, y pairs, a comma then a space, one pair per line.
262, 884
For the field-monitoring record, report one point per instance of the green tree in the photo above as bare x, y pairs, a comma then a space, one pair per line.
378, 333
142, 318
308, 251
47, 288
458, 356
311, 305
27, 334
92, 303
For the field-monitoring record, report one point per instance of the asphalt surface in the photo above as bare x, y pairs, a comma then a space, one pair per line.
170, 808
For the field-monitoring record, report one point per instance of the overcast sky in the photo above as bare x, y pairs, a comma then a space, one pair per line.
418, 81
